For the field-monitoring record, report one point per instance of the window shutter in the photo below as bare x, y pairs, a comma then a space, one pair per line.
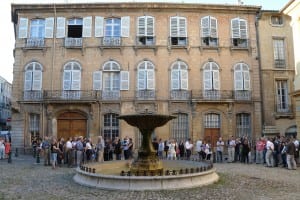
125, 26
60, 27
205, 32
207, 80
49, 25
182, 27
235, 28
75, 80
37, 80
28, 80
150, 26
97, 80
238, 80
87, 27
23, 28
213, 27
173, 27
141, 26
141, 80
124, 80
150, 80
243, 29
99, 23
216, 80
175, 79
246, 80
184, 79
67, 80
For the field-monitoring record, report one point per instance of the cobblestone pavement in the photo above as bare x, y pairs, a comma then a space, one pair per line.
24, 179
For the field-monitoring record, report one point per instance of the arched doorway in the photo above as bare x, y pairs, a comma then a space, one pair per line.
71, 124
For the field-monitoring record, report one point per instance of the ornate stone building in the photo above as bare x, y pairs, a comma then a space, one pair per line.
5, 104
79, 66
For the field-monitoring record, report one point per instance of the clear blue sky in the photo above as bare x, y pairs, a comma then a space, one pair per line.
7, 36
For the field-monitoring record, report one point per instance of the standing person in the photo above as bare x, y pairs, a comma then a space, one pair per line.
269, 154
172, 152
245, 151
181, 149
79, 151
290, 154
231, 149
130, 149
161, 147
297, 145
260, 146
88, 150
198, 148
60, 153
7, 148
208, 151
125, 148
54, 151
155, 145
100, 149
188, 148
46, 150
2, 149
220, 149
166, 148
68, 147
117, 148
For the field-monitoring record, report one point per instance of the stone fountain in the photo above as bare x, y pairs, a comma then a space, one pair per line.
147, 160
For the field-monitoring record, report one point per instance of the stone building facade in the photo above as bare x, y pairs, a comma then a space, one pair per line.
79, 66
277, 73
5, 104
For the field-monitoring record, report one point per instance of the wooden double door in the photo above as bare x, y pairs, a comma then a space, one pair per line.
211, 135
71, 124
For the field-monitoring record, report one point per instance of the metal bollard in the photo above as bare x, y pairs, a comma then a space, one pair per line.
9, 157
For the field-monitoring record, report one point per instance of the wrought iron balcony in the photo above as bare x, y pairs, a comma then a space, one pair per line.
239, 43
284, 108
70, 95
209, 42
111, 41
242, 95
178, 41
180, 94
111, 95
279, 63
33, 95
35, 43
145, 94
73, 42
212, 95
145, 40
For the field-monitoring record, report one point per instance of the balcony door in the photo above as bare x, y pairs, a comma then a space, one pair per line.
71, 124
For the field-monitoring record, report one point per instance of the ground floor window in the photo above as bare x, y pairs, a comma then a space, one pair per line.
110, 126
34, 127
243, 125
180, 127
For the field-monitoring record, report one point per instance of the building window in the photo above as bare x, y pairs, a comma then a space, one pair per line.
145, 30
209, 31
243, 125
276, 20
146, 78
211, 81
75, 28
34, 126
180, 127
111, 76
242, 82
112, 32
212, 120
110, 126
37, 28
178, 31
33, 77
282, 96
179, 76
279, 53
72, 76
239, 33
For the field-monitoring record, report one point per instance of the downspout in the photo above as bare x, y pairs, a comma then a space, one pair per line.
258, 16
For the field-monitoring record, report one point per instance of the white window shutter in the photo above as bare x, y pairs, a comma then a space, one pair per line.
37, 80
141, 28
28, 80
124, 84
23, 28
243, 29
238, 80
150, 26
235, 28
125, 26
49, 25
76, 80
173, 27
60, 27
213, 27
207, 80
184, 79
99, 23
141, 79
216, 80
67, 80
150, 80
87, 27
205, 31
175, 79
97, 80
182, 27
246, 80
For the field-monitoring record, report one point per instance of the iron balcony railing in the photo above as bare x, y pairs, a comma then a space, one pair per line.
111, 95
111, 41
209, 42
239, 43
145, 40
178, 41
242, 95
33, 95
279, 63
212, 95
35, 42
145, 94
284, 108
73, 42
180, 94
70, 95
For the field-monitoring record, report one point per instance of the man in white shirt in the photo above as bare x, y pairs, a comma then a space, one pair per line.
70, 158
231, 149
269, 154
220, 149
199, 148
188, 148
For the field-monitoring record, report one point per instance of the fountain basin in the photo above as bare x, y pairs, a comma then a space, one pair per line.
108, 177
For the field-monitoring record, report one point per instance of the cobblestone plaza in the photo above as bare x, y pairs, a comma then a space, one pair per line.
24, 179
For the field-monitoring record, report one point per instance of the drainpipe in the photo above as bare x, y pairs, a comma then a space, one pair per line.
258, 16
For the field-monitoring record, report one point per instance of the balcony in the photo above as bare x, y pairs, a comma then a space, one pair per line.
111, 95
111, 41
242, 95
73, 42
33, 95
145, 94
212, 95
180, 94
178, 41
145, 41
35, 43
279, 63
284, 111
209, 42
56, 95
239, 43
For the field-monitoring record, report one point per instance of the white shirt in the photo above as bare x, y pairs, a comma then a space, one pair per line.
270, 145
69, 145
188, 145
198, 145
220, 145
